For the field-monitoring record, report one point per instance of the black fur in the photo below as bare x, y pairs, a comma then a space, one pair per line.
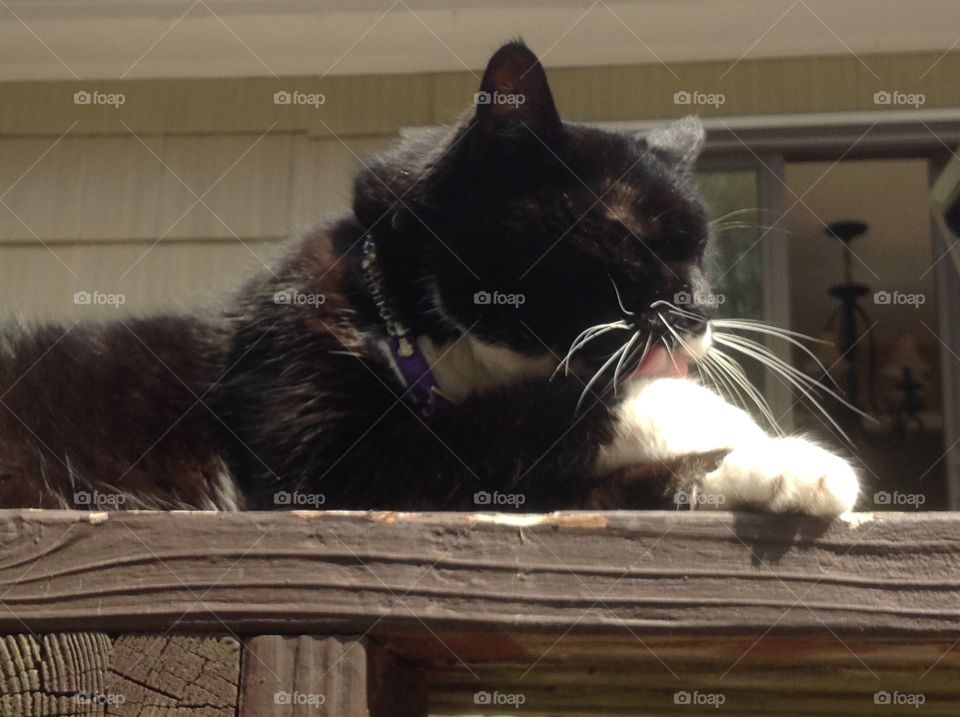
299, 397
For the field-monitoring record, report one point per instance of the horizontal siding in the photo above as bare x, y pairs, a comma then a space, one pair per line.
107, 214
88, 190
379, 105
40, 282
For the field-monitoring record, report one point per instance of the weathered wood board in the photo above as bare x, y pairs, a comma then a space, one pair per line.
92, 674
350, 573
563, 614
782, 675
305, 675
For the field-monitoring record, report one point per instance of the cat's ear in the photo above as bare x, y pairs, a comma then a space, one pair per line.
681, 141
514, 98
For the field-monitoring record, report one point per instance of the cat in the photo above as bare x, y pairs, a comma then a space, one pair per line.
492, 326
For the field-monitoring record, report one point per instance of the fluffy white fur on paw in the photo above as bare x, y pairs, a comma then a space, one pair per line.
669, 417
782, 475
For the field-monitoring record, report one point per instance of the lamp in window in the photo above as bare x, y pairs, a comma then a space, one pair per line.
849, 321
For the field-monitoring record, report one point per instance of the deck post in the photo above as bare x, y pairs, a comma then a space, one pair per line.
294, 676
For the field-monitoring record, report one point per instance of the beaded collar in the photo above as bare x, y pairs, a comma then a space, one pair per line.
407, 357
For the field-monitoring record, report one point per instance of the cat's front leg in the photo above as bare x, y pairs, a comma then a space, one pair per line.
664, 419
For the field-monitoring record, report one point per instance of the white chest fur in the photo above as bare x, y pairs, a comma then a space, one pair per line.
468, 366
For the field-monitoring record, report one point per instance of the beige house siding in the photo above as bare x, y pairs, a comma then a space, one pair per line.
188, 185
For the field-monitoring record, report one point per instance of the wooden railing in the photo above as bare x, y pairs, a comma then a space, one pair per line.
403, 615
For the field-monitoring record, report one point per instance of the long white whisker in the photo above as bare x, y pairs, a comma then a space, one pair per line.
794, 342
626, 353
737, 378
737, 212
776, 368
670, 354
770, 359
750, 325
677, 310
613, 357
619, 300
583, 339
749, 225
594, 331
737, 374
790, 337
721, 382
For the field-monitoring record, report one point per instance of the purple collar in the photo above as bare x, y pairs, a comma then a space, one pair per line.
412, 367
408, 360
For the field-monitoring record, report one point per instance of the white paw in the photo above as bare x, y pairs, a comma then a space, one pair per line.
782, 475
669, 417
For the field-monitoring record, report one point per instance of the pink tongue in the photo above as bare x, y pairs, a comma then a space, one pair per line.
659, 364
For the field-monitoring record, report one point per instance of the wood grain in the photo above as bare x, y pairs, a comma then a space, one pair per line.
53, 674
188, 675
305, 676
323, 573
132, 675
640, 674
583, 613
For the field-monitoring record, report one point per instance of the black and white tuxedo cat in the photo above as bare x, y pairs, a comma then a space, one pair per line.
495, 316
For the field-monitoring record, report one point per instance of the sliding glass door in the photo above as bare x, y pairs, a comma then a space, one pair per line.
748, 264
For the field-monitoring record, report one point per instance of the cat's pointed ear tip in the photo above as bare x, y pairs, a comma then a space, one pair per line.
514, 96
690, 128
515, 48
692, 123
683, 138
